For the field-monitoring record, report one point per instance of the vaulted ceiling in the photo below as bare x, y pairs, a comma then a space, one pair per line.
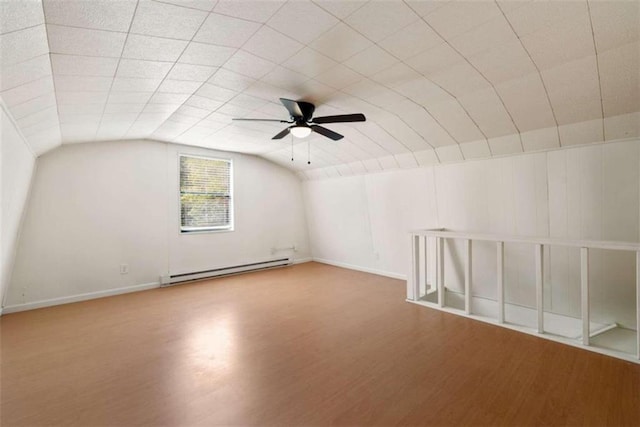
438, 81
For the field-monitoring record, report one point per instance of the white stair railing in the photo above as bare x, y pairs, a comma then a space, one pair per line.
425, 266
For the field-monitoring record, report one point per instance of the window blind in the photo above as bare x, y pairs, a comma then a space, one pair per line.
205, 194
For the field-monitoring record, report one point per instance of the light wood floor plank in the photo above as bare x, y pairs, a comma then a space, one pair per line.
305, 345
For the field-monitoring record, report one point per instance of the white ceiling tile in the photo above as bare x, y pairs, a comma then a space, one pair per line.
388, 163
234, 111
25, 72
158, 110
423, 8
581, 133
460, 79
397, 76
371, 165
41, 116
357, 168
622, 126
449, 153
252, 10
179, 86
340, 8
188, 72
488, 112
538, 15
230, 80
547, 52
112, 108
45, 141
216, 93
165, 20
129, 84
153, 48
81, 109
425, 125
15, 15
309, 62
315, 92
168, 98
226, 31
143, 69
457, 17
493, 33
271, 45
411, 41
247, 101
475, 150
27, 91
302, 21
404, 133
78, 132
80, 118
540, 139
206, 54
344, 170
380, 19
41, 126
338, 77
503, 145
526, 100
82, 83
249, 65
187, 110
381, 137
204, 103
620, 79
340, 43
80, 41
206, 5
129, 97
426, 157
504, 62
95, 14
22, 45
614, 23
72, 65
452, 117
36, 104
370, 61
270, 93
183, 119
284, 78
423, 92
435, 59
78, 97
574, 90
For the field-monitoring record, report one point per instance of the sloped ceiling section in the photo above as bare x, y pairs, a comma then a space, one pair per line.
438, 81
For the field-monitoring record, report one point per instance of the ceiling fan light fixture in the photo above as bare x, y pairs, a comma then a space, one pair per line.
301, 131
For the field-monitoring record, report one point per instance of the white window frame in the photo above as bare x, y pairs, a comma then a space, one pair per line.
213, 229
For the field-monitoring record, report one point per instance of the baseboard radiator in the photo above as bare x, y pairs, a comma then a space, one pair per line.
224, 271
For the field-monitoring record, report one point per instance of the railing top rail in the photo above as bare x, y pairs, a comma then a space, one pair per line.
595, 244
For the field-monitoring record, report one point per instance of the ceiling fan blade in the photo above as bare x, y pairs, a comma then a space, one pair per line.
263, 120
326, 132
292, 107
282, 134
341, 118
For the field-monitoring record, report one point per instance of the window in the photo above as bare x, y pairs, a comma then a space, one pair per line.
205, 194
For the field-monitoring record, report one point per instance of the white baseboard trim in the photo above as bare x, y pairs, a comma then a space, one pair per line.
0, 311
364, 269
77, 298
302, 260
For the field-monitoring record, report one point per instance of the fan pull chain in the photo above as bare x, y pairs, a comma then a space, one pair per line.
292, 147
308, 152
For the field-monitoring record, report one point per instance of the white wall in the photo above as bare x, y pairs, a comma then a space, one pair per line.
16, 169
95, 206
588, 192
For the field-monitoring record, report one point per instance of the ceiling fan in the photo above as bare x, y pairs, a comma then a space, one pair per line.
301, 116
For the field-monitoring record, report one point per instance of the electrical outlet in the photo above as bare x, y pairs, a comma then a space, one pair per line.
124, 268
